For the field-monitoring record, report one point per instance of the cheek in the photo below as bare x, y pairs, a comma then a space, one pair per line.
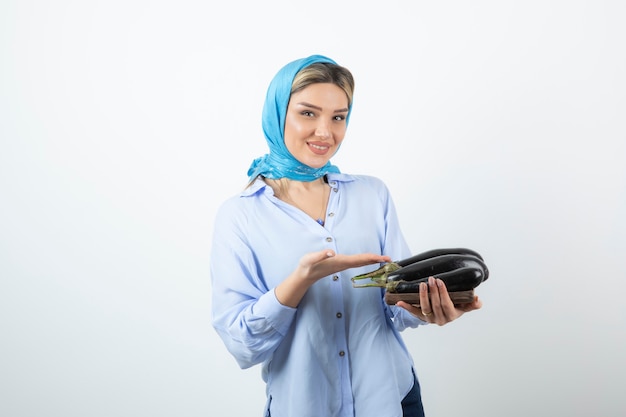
294, 132
293, 127
340, 133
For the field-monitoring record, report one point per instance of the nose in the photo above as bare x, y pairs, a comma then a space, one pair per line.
322, 129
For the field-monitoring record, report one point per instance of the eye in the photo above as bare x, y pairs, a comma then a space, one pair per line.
339, 117
307, 113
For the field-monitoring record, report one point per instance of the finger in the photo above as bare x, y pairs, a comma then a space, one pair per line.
370, 258
474, 305
447, 306
439, 315
425, 306
358, 260
409, 307
413, 309
327, 262
315, 257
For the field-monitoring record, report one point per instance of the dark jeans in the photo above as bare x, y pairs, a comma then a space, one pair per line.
412, 404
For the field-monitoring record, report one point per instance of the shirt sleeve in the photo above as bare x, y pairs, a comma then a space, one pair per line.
246, 314
395, 246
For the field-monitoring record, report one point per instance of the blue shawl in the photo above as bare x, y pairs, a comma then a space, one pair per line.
279, 163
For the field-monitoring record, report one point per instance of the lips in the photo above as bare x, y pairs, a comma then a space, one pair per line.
319, 148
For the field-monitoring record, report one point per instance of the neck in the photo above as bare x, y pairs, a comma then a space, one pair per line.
284, 186
310, 197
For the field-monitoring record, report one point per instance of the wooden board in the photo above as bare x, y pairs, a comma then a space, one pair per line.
459, 297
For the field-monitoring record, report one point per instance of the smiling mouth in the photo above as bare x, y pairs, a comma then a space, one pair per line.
320, 150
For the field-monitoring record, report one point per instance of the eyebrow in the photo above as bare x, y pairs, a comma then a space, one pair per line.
304, 103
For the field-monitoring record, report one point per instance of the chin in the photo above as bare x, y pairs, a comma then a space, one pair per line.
317, 165
314, 163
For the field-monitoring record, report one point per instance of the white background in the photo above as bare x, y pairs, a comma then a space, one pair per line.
498, 125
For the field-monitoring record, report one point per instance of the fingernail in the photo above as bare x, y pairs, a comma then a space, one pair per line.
439, 283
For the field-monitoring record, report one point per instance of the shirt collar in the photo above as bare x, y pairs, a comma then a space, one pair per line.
259, 186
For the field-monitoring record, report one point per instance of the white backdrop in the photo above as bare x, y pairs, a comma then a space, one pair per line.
498, 125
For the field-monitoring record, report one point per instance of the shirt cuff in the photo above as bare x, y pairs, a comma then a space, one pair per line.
278, 316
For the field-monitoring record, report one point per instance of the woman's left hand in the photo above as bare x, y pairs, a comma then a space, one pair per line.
438, 308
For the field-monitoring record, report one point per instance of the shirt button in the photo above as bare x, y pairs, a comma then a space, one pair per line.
335, 189
335, 277
329, 239
331, 214
338, 315
342, 353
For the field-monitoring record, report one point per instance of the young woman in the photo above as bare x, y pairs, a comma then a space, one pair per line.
283, 253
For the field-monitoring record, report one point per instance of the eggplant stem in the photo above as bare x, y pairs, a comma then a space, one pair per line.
379, 274
369, 284
378, 277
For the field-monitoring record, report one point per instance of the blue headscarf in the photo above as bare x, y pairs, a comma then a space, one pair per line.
279, 163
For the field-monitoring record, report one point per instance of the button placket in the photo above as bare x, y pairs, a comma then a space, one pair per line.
332, 203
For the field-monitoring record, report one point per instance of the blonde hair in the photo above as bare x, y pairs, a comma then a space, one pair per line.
324, 72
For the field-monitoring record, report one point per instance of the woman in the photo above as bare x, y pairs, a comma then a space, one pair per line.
284, 251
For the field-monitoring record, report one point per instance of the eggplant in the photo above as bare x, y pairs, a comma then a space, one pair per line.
438, 252
395, 265
461, 279
460, 269
434, 266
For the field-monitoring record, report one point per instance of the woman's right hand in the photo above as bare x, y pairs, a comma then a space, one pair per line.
317, 265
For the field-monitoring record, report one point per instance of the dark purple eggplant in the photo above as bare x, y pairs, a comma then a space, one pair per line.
435, 266
460, 272
388, 268
437, 252
461, 279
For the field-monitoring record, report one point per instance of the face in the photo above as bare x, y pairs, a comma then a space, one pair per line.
315, 123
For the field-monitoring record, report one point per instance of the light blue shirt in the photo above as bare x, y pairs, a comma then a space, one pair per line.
339, 353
